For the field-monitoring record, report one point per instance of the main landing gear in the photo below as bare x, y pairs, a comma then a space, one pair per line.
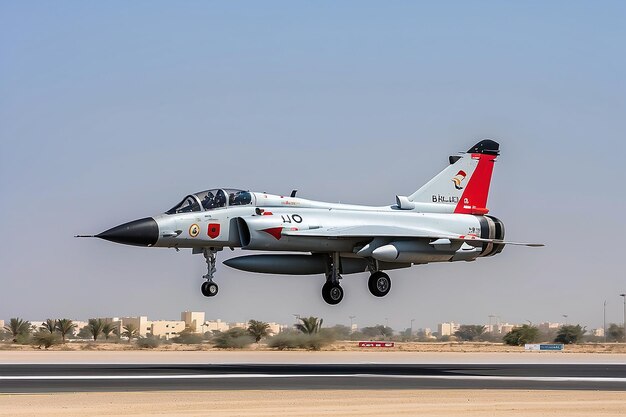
209, 288
332, 292
378, 283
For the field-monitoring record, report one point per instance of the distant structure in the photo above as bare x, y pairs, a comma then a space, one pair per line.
193, 320
425, 333
80, 325
598, 332
215, 326
141, 323
547, 326
447, 329
167, 328
2, 325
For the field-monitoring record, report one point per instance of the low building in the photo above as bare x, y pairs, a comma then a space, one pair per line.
426, 332
214, 326
80, 325
241, 325
194, 320
116, 322
504, 328
141, 323
276, 328
447, 329
548, 327
598, 332
167, 328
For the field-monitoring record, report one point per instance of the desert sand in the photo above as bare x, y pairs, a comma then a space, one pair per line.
319, 403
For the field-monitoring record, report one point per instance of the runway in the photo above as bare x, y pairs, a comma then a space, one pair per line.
36, 378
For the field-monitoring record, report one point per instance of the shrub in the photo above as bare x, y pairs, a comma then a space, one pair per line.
46, 339
568, 334
521, 335
286, 340
149, 342
23, 339
469, 332
291, 340
187, 338
615, 333
378, 332
236, 338
319, 340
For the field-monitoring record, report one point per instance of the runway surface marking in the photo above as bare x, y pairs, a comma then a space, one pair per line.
275, 376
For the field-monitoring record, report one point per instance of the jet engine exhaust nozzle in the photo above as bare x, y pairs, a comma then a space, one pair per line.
142, 232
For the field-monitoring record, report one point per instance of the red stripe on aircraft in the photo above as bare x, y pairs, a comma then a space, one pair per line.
474, 198
274, 231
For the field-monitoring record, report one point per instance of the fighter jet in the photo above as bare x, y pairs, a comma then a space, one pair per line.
445, 220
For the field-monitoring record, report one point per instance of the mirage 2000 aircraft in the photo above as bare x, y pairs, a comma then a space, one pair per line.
444, 221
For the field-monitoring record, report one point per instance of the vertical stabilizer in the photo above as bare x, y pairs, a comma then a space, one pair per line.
463, 186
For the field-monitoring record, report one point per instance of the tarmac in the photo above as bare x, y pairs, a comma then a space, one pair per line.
38, 372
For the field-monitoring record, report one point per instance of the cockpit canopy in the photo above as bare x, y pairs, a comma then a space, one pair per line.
212, 199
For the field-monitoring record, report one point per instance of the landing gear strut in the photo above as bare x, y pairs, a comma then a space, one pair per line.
332, 292
209, 288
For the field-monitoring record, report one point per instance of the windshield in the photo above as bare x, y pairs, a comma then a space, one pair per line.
188, 205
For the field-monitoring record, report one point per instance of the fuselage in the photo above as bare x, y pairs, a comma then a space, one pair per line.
258, 225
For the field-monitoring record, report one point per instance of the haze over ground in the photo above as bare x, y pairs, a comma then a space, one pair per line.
113, 112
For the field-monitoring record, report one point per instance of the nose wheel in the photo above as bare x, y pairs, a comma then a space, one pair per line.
209, 288
379, 284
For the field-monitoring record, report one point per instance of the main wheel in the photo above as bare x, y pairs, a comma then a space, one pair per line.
332, 293
209, 289
379, 284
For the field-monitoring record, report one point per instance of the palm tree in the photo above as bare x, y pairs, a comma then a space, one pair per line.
309, 325
130, 331
95, 328
49, 326
17, 327
107, 329
65, 326
258, 329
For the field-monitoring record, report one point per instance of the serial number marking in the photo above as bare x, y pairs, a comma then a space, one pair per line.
445, 199
288, 218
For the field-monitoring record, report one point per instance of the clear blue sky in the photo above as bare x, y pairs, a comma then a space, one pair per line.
113, 111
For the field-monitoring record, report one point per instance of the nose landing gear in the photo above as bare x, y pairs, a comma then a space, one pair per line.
209, 288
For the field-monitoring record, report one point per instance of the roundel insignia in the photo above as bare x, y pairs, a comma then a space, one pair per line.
194, 230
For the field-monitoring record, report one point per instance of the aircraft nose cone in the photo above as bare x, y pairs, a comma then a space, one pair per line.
142, 232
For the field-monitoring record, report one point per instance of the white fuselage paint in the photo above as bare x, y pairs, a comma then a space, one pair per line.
299, 214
